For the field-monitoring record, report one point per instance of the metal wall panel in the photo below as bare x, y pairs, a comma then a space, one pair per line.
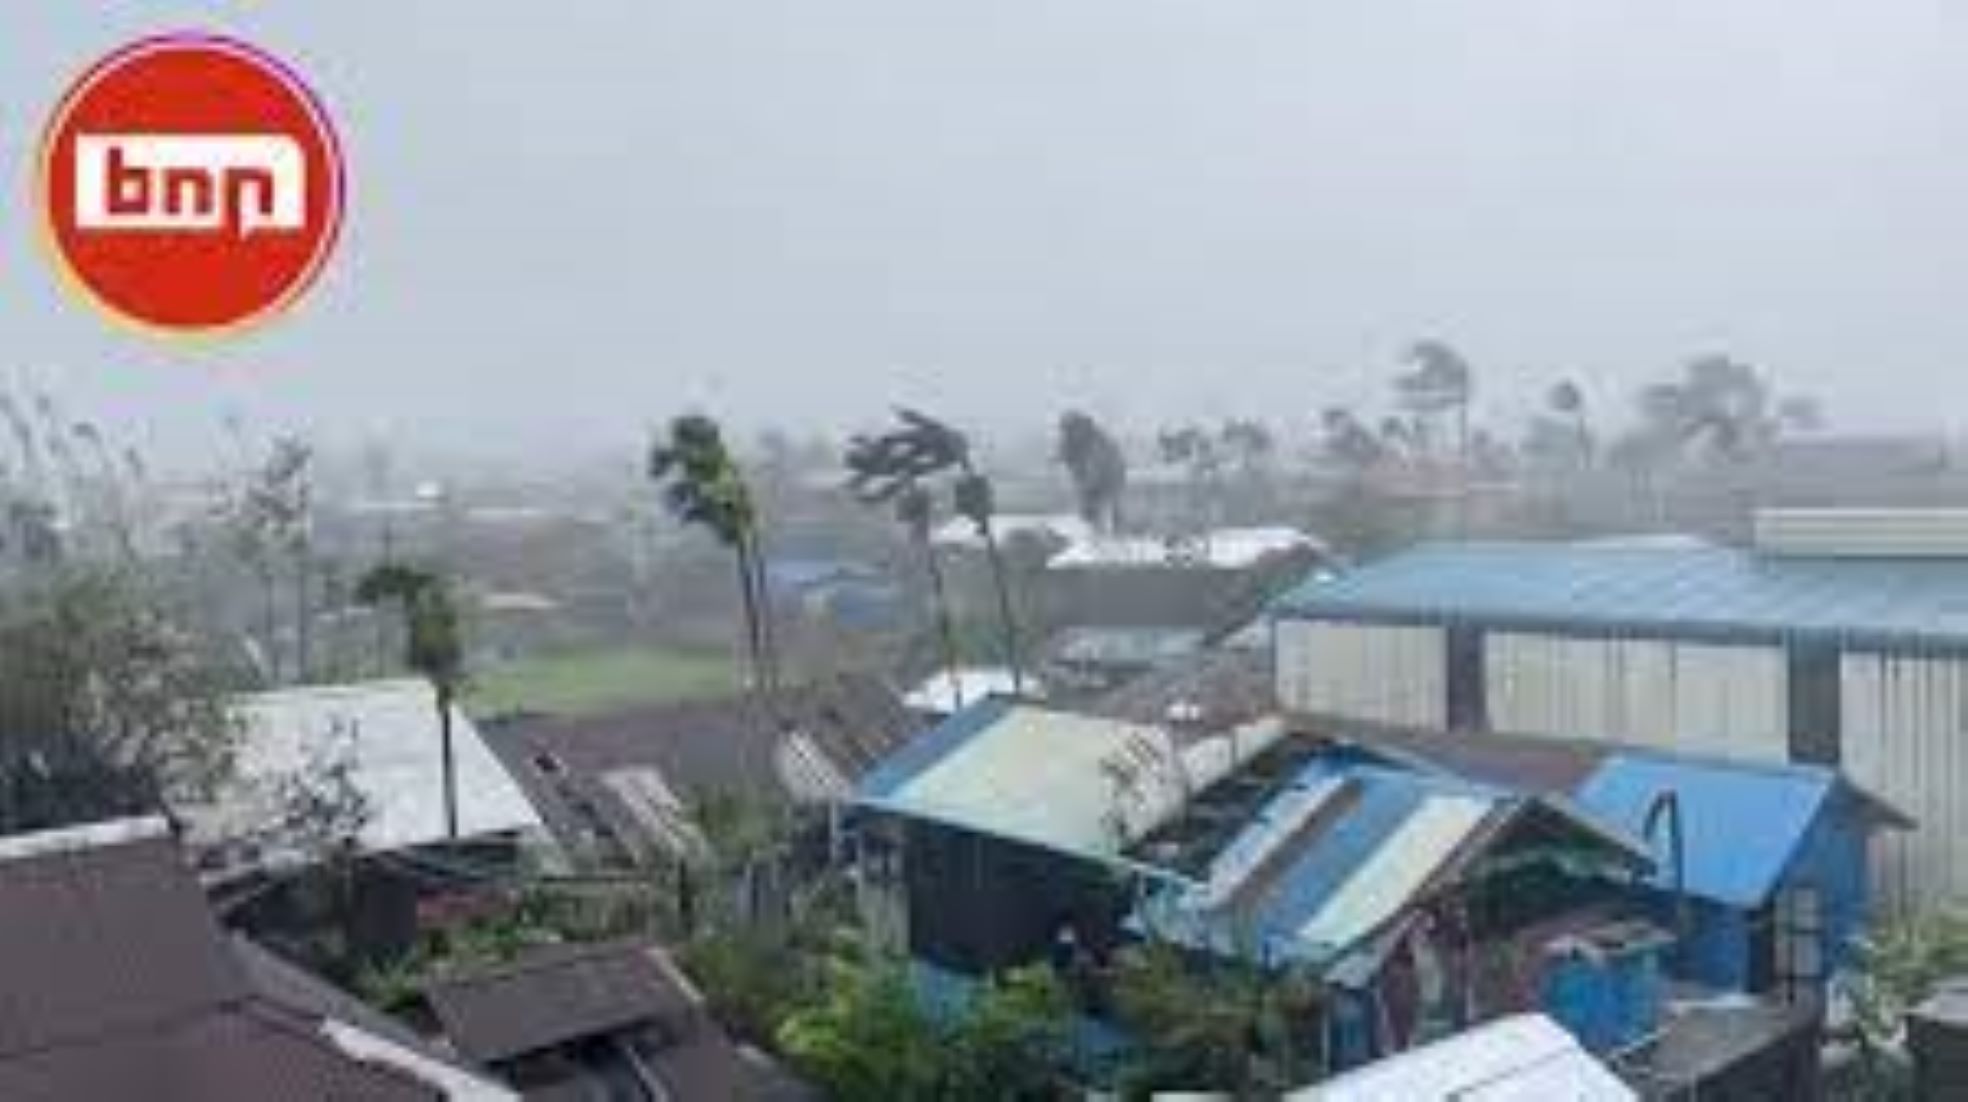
1863, 533
1380, 673
1701, 698
1905, 722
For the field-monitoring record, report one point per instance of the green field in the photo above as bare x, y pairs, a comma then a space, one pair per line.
587, 682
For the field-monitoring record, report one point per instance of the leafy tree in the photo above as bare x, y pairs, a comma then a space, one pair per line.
922, 448
870, 1037
109, 706
1899, 966
1097, 466
703, 487
1438, 380
1213, 1026
915, 510
431, 647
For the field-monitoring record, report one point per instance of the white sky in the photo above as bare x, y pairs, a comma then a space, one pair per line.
572, 218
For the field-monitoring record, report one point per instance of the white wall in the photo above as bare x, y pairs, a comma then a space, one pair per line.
1364, 671
1729, 701
1905, 738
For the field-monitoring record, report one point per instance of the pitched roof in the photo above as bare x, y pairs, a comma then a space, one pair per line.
392, 731
229, 1053
564, 994
1514, 1059
803, 743
555, 995
99, 938
120, 984
1074, 783
1689, 592
1615, 786
1741, 824
1326, 850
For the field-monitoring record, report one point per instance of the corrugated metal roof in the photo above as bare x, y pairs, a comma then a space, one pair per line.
1687, 592
1526, 1057
1740, 824
1344, 848
1075, 783
391, 730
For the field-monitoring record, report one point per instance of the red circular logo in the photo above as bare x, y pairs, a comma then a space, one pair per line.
190, 184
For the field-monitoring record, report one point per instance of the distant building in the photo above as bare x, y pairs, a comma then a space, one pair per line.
120, 984
946, 692
1854, 662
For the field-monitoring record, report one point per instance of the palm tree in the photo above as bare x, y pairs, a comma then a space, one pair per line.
922, 448
431, 647
915, 509
703, 487
1440, 380
1097, 467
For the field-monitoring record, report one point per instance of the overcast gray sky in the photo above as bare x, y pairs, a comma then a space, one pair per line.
569, 219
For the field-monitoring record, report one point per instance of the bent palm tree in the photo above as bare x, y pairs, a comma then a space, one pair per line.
703, 488
431, 647
920, 448
915, 510
1097, 467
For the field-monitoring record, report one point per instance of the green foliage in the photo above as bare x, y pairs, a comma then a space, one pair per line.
595, 681
432, 646
108, 706
870, 1037
1214, 1026
1899, 966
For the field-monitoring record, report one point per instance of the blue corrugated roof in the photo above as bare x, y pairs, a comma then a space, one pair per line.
1740, 823
1385, 799
1690, 591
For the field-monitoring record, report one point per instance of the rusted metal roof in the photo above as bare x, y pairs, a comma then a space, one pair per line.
117, 982
553, 996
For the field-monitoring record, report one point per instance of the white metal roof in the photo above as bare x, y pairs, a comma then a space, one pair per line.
938, 693
391, 730
1221, 548
1523, 1058
960, 532
1078, 783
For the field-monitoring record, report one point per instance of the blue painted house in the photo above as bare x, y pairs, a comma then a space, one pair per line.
1427, 903
1771, 862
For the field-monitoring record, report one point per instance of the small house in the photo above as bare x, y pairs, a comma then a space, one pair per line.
613, 1020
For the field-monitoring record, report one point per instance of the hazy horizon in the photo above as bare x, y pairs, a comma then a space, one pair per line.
569, 222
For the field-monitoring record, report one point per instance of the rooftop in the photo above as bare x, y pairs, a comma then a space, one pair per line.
120, 984
1218, 549
1713, 592
1615, 786
1078, 784
632, 772
1525, 1058
1326, 850
391, 730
